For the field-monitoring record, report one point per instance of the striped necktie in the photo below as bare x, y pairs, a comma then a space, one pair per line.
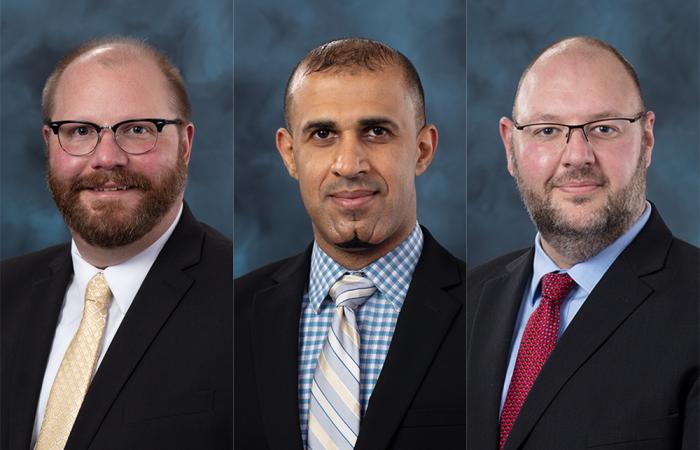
77, 368
334, 409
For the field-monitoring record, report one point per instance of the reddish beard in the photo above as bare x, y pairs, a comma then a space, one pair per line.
109, 223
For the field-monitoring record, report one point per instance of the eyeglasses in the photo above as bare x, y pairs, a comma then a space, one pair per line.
599, 133
134, 136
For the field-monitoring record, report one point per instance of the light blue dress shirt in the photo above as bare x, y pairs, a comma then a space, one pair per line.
586, 274
376, 318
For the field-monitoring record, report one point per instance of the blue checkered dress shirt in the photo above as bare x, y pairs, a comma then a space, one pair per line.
376, 318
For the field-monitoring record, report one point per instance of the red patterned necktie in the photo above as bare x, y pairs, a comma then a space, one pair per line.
537, 343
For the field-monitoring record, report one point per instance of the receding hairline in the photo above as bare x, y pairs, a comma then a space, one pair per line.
353, 56
582, 44
301, 77
117, 51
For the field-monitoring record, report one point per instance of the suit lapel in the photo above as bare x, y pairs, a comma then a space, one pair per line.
617, 295
161, 291
45, 301
275, 330
491, 334
426, 316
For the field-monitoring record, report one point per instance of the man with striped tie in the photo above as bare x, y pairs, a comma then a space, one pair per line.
589, 339
358, 342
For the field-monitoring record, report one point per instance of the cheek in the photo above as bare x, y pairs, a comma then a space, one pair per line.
619, 170
311, 175
535, 164
65, 165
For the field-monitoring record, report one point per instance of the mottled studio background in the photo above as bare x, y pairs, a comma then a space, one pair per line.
197, 36
270, 37
659, 38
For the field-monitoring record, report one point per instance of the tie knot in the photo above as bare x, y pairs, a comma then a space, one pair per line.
351, 290
98, 290
556, 286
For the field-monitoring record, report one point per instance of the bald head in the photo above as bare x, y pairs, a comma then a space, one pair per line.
576, 58
114, 52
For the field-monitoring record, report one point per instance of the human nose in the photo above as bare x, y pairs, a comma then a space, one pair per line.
577, 150
350, 158
107, 154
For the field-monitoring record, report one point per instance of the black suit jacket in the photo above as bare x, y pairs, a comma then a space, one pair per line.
624, 375
166, 379
419, 399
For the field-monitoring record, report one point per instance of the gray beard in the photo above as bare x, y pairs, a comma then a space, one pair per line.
579, 243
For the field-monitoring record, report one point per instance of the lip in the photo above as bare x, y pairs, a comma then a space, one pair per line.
110, 189
583, 187
352, 199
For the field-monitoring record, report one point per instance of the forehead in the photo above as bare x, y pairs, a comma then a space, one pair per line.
577, 85
93, 89
350, 95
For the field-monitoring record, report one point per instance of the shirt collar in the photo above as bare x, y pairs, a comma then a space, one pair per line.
124, 279
391, 273
587, 273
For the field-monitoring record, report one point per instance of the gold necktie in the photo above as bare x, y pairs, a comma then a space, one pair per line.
76, 370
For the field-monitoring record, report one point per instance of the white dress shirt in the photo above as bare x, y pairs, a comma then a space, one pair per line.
124, 281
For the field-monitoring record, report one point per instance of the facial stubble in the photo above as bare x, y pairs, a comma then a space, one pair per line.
609, 222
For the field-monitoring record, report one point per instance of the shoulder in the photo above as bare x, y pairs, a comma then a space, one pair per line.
495, 267
435, 255
271, 274
32, 263
216, 241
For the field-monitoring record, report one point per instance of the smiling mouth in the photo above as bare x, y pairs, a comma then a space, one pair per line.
111, 189
579, 188
352, 199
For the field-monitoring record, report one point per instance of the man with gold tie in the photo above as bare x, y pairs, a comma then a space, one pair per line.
122, 337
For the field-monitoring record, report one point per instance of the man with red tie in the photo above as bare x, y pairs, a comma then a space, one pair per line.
590, 338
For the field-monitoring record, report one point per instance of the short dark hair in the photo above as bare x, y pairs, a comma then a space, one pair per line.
592, 42
349, 54
127, 48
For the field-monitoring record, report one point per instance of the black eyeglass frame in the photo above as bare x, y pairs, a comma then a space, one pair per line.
159, 123
581, 126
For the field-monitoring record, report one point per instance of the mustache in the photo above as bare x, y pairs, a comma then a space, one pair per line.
345, 184
586, 173
118, 176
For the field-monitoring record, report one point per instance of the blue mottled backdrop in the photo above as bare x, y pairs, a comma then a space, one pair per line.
659, 38
270, 37
197, 36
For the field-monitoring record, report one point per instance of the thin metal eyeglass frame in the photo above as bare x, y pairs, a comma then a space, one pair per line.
159, 123
581, 126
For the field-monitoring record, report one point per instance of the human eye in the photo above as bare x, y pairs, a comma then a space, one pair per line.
546, 131
321, 134
77, 130
607, 129
377, 131
137, 129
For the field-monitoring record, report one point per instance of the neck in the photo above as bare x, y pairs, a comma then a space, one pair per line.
567, 251
102, 258
560, 258
359, 258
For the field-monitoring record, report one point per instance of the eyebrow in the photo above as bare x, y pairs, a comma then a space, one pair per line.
378, 122
364, 123
319, 125
549, 118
